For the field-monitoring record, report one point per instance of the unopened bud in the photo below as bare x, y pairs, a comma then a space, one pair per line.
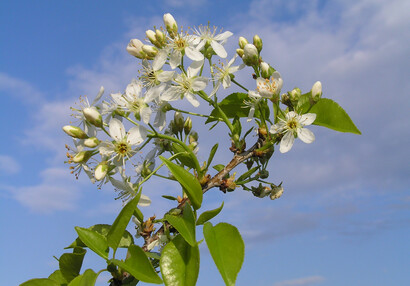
160, 36
179, 121
93, 116
170, 25
187, 125
251, 55
193, 137
152, 37
294, 94
276, 192
101, 171
240, 52
285, 98
317, 91
264, 174
151, 51
75, 132
265, 70
82, 156
91, 142
134, 48
242, 42
257, 41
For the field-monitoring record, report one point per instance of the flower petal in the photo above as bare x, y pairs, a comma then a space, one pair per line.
144, 201
117, 130
287, 142
175, 59
218, 49
199, 83
171, 94
192, 99
307, 119
223, 36
165, 76
137, 135
160, 120
194, 54
306, 135
194, 68
160, 59
145, 114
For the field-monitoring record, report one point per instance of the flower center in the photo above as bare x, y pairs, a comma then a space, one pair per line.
122, 148
292, 124
267, 85
136, 105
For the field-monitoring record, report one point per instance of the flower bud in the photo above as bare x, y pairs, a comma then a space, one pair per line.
179, 121
160, 36
193, 137
134, 48
151, 51
75, 132
251, 55
295, 94
152, 37
285, 98
170, 25
265, 70
239, 52
276, 192
101, 171
82, 156
242, 42
187, 125
257, 41
166, 107
317, 91
91, 142
93, 116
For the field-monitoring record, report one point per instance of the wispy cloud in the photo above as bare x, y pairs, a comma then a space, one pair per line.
8, 165
310, 280
20, 89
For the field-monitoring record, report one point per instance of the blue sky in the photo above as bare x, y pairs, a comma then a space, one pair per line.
344, 217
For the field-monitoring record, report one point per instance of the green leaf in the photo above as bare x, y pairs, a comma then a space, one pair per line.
247, 174
329, 114
171, 198
205, 216
219, 167
185, 224
103, 229
40, 282
234, 105
184, 157
95, 241
227, 249
211, 155
70, 263
121, 222
303, 103
58, 277
88, 278
179, 263
139, 266
188, 181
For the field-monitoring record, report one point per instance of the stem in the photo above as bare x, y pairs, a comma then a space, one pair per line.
196, 114
225, 118
238, 84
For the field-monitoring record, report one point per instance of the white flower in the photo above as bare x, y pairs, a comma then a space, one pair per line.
292, 126
79, 164
182, 43
206, 36
269, 88
223, 76
187, 85
316, 90
152, 75
127, 191
254, 97
121, 147
133, 101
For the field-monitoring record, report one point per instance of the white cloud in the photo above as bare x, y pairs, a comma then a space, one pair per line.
311, 280
20, 89
8, 165
57, 191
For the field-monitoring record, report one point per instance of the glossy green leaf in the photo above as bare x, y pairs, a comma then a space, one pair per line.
117, 229
205, 216
95, 241
40, 282
88, 278
184, 157
70, 263
139, 266
58, 277
227, 249
103, 229
331, 115
219, 167
303, 103
211, 155
184, 224
179, 263
188, 181
247, 174
171, 198
234, 105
